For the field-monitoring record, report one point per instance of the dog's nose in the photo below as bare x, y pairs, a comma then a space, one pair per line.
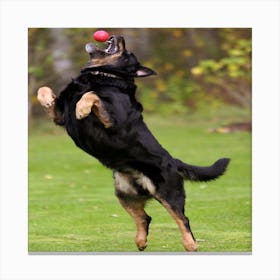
90, 48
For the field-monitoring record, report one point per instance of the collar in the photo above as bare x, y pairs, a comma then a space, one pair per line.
103, 74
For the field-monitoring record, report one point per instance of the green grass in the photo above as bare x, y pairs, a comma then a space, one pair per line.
72, 207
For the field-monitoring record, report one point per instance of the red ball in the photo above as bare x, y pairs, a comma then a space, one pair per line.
101, 35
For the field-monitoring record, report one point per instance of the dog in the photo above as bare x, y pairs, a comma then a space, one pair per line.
101, 114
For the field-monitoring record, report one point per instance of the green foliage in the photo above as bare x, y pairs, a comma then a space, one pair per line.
175, 95
36, 71
236, 65
230, 74
39, 56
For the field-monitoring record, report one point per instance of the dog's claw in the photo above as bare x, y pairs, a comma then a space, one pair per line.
142, 248
141, 244
80, 116
49, 104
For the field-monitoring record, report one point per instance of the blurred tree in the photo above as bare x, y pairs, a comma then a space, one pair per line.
230, 74
62, 62
39, 64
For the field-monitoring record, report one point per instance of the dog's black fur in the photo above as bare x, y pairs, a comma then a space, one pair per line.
143, 169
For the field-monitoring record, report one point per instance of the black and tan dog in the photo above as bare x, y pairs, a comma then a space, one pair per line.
101, 114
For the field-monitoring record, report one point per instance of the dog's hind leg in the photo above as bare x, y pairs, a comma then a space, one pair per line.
134, 205
141, 219
172, 197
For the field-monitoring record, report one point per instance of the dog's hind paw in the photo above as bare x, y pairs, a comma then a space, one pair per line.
190, 246
46, 97
141, 244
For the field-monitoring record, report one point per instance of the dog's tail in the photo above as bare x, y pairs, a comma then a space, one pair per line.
201, 173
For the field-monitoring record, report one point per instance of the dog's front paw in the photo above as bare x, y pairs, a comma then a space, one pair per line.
83, 108
46, 97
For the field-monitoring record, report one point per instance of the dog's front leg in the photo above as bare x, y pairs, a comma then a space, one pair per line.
46, 97
91, 102
48, 100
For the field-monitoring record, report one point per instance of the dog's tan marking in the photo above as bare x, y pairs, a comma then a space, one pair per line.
91, 102
137, 212
145, 182
46, 97
108, 60
123, 183
188, 242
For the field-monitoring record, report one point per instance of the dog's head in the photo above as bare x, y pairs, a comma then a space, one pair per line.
115, 59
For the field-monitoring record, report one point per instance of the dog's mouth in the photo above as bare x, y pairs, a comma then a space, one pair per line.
114, 45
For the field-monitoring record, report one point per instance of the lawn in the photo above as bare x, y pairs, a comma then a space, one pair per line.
72, 207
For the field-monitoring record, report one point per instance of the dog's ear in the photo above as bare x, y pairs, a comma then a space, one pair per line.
143, 71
